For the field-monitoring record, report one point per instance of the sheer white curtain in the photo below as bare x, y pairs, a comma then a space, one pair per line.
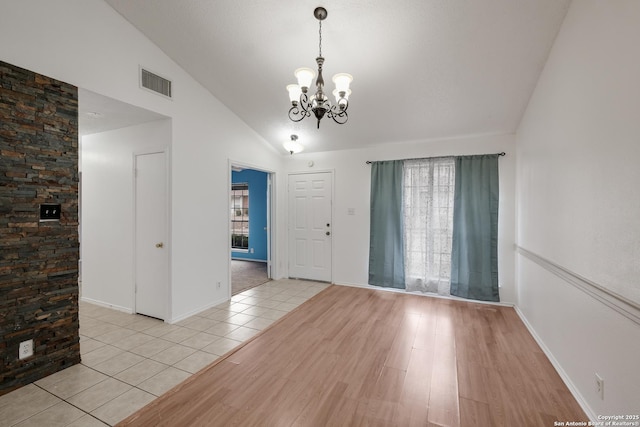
429, 186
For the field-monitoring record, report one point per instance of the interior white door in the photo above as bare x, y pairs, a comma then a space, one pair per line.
151, 252
310, 197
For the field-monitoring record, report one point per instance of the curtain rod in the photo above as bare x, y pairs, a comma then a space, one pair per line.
438, 157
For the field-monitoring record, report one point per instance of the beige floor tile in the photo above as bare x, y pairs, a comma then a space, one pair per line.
87, 421
143, 323
179, 335
251, 301
242, 333
24, 403
296, 300
238, 297
115, 336
239, 319
221, 346
58, 415
99, 394
238, 307
74, 384
132, 341
161, 329
140, 372
196, 361
71, 371
100, 355
87, 345
223, 306
259, 323
122, 406
208, 312
253, 310
118, 363
164, 381
285, 306
93, 310
200, 340
173, 354
222, 329
202, 324
152, 347
273, 314
98, 329
118, 318
281, 297
220, 315
268, 303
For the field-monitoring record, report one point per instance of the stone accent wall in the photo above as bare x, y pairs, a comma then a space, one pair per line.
38, 260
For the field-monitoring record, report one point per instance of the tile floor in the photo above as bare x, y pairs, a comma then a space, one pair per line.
129, 360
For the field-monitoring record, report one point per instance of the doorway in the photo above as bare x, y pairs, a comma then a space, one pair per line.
250, 217
310, 226
112, 133
151, 267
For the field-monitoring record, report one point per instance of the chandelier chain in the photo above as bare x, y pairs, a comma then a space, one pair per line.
320, 39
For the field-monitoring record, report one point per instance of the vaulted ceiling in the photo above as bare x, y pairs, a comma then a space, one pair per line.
422, 69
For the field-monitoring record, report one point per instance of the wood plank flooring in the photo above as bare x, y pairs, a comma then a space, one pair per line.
359, 357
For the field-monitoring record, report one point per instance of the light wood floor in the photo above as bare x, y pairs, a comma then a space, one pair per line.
355, 357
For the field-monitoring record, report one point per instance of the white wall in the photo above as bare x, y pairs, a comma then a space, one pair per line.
579, 200
107, 209
86, 43
353, 181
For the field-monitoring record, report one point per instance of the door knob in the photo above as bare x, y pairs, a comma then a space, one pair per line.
160, 245
328, 233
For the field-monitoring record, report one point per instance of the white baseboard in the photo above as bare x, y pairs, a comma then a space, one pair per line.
567, 380
264, 261
106, 305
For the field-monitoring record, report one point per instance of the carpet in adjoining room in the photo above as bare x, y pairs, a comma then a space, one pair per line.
247, 274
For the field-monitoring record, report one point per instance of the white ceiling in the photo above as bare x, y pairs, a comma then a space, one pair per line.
422, 69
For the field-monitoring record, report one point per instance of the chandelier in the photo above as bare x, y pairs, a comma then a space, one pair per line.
303, 103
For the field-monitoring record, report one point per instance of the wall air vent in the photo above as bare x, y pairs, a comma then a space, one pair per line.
155, 83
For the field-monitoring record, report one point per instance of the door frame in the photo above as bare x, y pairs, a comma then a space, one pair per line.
288, 216
271, 217
167, 167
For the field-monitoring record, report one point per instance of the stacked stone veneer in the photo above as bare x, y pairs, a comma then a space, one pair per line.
38, 260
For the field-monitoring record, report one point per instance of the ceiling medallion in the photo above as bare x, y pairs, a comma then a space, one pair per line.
303, 103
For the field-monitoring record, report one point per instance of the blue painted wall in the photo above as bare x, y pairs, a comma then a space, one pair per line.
257, 213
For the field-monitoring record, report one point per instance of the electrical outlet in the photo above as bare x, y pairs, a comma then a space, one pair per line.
26, 349
218, 284
600, 386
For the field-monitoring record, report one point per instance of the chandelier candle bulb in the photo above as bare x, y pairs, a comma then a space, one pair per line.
294, 93
342, 81
305, 76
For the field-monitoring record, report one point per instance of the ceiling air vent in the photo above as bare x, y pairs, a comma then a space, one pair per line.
154, 82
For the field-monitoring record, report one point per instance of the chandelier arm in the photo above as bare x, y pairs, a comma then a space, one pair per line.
305, 104
296, 115
338, 116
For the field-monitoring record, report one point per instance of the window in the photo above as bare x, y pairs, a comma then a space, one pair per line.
240, 216
429, 186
